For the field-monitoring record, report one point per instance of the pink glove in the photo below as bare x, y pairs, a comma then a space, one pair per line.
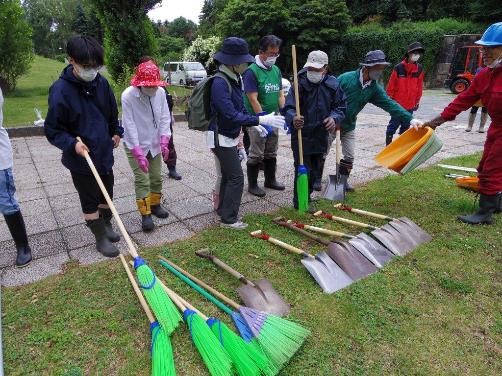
164, 147
137, 153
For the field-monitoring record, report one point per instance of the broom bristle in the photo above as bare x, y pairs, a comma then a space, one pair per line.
162, 352
213, 354
302, 189
164, 309
279, 338
242, 327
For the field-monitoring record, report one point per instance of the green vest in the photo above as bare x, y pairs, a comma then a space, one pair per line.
269, 86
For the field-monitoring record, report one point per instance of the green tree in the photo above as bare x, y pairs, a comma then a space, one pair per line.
129, 33
15, 43
202, 50
86, 22
183, 28
209, 15
170, 48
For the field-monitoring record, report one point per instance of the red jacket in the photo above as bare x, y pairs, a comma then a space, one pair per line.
406, 84
487, 86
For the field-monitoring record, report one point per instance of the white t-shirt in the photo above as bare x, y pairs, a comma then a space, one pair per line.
5, 146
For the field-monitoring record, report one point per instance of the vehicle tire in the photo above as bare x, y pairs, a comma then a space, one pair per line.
459, 85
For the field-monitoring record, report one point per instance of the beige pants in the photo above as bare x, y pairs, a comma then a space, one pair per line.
262, 147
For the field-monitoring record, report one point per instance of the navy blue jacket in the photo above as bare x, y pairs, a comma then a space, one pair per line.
317, 102
230, 112
85, 109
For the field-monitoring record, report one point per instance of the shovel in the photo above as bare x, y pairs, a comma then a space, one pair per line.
259, 295
403, 225
321, 267
344, 254
335, 190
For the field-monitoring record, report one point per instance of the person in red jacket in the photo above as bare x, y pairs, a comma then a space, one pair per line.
487, 86
405, 87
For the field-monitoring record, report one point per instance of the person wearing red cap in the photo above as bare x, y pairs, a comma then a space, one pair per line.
146, 120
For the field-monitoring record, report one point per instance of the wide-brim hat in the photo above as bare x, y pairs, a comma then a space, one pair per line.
316, 59
234, 51
415, 47
147, 74
373, 58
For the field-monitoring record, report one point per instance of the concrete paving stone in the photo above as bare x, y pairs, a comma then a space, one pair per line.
77, 236
125, 204
132, 221
203, 221
177, 193
123, 190
46, 244
192, 207
283, 199
29, 194
8, 254
35, 271
162, 235
22, 161
69, 216
41, 222
87, 255
260, 206
63, 202
36, 207
55, 190
4, 231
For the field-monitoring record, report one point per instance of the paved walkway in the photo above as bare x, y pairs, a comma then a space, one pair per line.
54, 220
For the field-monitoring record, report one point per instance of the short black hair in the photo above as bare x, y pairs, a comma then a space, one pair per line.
269, 41
85, 50
144, 59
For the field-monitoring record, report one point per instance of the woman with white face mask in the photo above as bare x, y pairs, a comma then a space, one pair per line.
405, 86
146, 120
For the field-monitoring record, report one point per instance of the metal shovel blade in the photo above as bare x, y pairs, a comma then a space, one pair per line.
327, 274
414, 230
377, 251
335, 190
263, 297
350, 260
404, 234
393, 240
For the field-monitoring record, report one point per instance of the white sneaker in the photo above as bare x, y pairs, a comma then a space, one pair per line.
236, 225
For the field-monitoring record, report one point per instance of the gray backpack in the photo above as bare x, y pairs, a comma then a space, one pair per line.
198, 113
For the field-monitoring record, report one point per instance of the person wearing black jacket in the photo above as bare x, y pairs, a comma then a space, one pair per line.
82, 104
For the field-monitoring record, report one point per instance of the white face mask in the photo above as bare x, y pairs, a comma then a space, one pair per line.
149, 91
414, 57
315, 77
270, 61
86, 74
496, 62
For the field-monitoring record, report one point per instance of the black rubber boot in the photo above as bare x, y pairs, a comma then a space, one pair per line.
388, 139
253, 188
17, 228
107, 215
145, 210
317, 184
173, 174
270, 165
345, 168
156, 206
499, 206
103, 244
487, 206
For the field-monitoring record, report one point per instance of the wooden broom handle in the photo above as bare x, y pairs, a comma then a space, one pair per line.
297, 101
363, 212
344, 220
175, 296
260, 235
135, 286
202, 284
132, 248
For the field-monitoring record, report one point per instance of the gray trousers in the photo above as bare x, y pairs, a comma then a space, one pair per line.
348, 140
262, 147
232, 183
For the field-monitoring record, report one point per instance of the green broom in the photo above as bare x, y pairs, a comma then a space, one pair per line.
163, 308
213, 354
302, 179
161, 349
279, 338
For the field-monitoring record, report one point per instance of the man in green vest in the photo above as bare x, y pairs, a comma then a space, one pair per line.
262, 85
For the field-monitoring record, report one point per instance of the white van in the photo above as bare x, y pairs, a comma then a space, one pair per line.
184, 72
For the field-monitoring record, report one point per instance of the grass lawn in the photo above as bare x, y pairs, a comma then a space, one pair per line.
436, 311
33, 89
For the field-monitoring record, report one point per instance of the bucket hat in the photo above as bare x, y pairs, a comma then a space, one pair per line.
372, 58
147, 74
415, 46
234, 51
316, 59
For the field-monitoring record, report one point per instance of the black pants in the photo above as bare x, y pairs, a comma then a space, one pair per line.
232, 183
474, 109
313, 163
89, 192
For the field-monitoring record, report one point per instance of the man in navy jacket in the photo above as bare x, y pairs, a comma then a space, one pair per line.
82, 104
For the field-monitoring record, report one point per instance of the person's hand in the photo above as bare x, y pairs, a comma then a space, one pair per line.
116, 141
276, 121
434, 123
81, 148
330, 124
298, 122
140, 158
415, 124
242, 155
261, 131
164, 147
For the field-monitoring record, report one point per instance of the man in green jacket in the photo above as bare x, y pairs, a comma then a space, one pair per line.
361, 87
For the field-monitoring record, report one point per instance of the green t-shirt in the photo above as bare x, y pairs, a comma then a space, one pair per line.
269, 85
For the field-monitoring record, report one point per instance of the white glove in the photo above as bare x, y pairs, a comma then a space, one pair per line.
262, 131
242, 155
415, 124
276, 121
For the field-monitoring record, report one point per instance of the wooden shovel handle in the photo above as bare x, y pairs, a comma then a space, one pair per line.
132, 248
362, 212
206, 253
285, 223
202, 284
324, 231
338, 145
344, 220
297, 101
261, 235
136, 289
